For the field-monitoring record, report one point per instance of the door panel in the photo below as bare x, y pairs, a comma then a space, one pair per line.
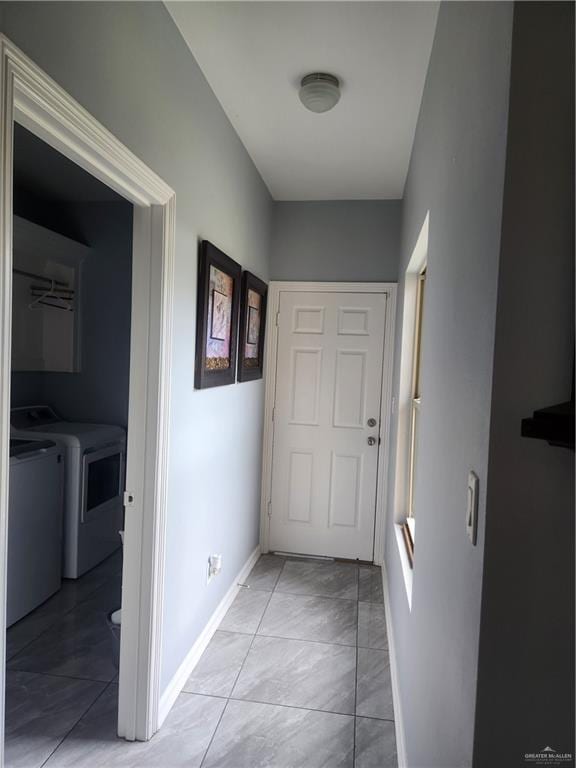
328, 384
300, 486
306, 371
345, 487
350, 389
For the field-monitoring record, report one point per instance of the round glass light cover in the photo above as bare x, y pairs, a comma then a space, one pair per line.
319, 92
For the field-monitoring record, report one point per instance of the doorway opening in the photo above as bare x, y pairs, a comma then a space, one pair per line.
71, 310
327, 419
33, 101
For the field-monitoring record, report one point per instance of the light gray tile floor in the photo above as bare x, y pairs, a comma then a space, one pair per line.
304, 617
317, 577
40, 712
297, 676
182, 741
265, 573
60, 662
78, 646
314, 688
372, 626
220, 665
370, 584
265, 736
246, 612
102, 579
373, 686
375, 743
298, 673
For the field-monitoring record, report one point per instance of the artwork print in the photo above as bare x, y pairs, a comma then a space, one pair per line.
252, 322
220, 316
217, 317
220, 313
251, 346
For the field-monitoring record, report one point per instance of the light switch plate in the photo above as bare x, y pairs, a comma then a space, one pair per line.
472, 507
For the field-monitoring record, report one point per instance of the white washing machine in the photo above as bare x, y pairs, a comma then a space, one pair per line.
34, 525
95, 461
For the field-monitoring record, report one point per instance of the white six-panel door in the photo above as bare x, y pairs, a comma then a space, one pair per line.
326, 429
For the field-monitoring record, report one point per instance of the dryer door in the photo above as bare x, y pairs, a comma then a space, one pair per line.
102, 480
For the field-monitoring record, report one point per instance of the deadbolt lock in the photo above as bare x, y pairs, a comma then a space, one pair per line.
371, 422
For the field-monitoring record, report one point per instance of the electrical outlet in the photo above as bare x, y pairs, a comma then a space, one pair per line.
214, 567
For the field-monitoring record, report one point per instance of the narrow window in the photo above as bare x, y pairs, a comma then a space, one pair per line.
409, 526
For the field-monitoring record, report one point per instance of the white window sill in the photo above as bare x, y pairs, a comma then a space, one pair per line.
407, 572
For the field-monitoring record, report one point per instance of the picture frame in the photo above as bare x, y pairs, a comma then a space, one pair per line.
252, 327
216, 317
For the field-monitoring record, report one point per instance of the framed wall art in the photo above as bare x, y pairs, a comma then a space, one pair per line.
217, 317
252, 327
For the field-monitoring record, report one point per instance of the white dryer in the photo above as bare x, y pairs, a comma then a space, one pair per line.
95, 460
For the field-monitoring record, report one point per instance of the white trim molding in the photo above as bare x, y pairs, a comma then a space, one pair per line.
175, 686
30, 97
396, 698
275, 289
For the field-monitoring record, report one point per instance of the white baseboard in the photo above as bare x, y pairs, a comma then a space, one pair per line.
398, 720
185, 669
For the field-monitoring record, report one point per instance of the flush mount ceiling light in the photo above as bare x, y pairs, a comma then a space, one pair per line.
319, 92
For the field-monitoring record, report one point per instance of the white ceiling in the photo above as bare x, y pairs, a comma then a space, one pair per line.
254, 54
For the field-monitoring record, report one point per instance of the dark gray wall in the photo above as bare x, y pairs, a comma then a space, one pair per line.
457, 175
99, 392
129, 66
526, 668
344, 240
26, 388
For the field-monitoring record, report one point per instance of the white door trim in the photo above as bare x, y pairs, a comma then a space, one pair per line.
275, 288
33, 99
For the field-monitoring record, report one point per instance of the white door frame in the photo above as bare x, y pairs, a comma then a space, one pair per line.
33, 99
275, 289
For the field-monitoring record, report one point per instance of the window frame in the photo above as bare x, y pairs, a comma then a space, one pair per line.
409, 525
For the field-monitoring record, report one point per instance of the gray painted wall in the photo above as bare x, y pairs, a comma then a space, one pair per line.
127, 64
344, 240
457, 174
526, 668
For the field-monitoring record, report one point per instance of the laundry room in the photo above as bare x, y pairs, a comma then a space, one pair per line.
71, 310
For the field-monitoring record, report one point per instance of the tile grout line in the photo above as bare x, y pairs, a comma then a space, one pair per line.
105, 683
290, 706
315, 594
62, 615
67, 734
306, 640
224, 708
61, 677
354, 715
229, 697
270, 593
255, 633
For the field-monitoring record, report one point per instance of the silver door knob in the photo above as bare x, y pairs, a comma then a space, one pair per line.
371, 422
371, 440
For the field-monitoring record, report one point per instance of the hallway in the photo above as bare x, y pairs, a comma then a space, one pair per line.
298, 653
343, 306
297, 676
